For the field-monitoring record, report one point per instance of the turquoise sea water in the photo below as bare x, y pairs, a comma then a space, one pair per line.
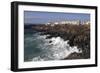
38, 48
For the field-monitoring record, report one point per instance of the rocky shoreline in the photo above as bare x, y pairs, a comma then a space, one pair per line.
78, 35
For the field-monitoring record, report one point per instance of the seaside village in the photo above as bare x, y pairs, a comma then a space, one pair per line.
74, 22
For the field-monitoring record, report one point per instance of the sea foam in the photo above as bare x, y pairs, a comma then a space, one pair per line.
55, 48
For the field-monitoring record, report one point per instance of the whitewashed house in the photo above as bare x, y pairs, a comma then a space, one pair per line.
87, 22
77, 22
74, 22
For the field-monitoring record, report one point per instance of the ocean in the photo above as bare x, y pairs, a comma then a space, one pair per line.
38, 48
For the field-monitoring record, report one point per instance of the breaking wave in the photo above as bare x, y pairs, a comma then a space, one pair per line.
54, 48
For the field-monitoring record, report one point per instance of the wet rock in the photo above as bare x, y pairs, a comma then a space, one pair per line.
78, 35
74, 56
50, 41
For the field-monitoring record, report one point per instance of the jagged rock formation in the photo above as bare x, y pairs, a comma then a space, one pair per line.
78, 35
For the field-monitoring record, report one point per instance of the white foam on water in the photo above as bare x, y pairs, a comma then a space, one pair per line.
56, 49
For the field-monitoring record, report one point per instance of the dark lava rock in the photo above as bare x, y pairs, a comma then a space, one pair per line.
50, 41
75, 56
78, 35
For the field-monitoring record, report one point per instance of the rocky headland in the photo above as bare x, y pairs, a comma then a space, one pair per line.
78, 35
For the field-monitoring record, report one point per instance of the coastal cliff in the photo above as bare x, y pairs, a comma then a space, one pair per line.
78, 35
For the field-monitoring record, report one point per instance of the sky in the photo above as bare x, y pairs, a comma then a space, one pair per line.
37, 17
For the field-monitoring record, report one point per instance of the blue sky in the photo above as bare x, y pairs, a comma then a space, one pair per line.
36, 17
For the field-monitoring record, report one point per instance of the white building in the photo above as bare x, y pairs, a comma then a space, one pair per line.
87, 22
56, 23
47, 23
74, 22
77, 22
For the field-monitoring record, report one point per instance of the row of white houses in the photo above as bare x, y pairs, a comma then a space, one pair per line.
74, 22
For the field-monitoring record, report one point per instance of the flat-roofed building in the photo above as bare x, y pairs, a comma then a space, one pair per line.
74, 22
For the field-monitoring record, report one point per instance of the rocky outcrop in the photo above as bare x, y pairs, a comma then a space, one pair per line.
78, 35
